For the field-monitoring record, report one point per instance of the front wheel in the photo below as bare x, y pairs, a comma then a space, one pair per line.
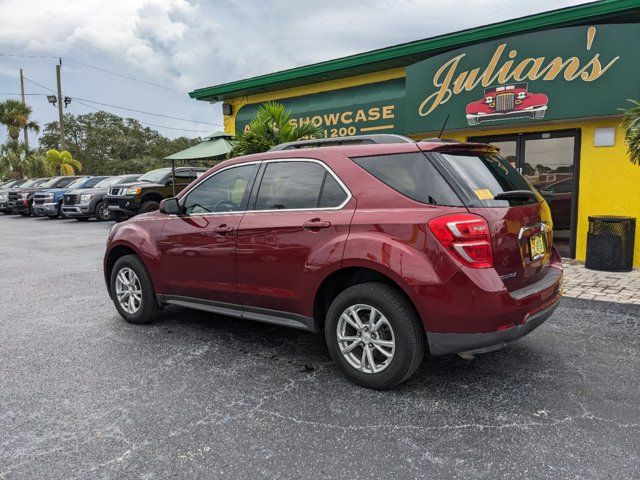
102, 212
374, 335
149, 206
132, 290
117, 217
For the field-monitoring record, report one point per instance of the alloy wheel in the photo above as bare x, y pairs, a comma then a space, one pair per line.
128, 290
103, 212
365, 338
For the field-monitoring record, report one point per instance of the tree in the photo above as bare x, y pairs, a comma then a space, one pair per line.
15, 116
108, 144
16, 161
271, 126
631, 125
61, 163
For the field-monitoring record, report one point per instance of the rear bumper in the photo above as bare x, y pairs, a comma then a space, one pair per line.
448, 343
473, 311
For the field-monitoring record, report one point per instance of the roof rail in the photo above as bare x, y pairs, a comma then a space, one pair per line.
335, 141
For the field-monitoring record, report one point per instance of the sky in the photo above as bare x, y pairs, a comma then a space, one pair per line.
174, 46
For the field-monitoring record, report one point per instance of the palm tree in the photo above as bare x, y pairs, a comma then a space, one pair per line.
631, 125
15, 116
271, 126
61, 163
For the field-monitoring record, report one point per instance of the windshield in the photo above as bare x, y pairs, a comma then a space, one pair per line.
50, 182
488, 175
29, 184
108, 182
77, 183
155, 176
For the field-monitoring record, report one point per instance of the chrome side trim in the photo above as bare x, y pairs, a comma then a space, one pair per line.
245, 312
543, 226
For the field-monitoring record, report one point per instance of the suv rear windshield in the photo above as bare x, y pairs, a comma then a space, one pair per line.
413, 175
487, 175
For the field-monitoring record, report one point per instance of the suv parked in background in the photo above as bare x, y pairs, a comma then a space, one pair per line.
21, 199
4, 194
82, 204
49, 202
144, 195
387, 248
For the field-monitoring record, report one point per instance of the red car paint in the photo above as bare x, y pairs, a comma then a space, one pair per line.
274, 260
507, 101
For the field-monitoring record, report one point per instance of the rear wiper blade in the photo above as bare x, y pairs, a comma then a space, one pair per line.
516, 194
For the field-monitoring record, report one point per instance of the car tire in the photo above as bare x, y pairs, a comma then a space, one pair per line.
25, 214
102, 212
117, 217
147, 306
82, 219
403, 329
149, 206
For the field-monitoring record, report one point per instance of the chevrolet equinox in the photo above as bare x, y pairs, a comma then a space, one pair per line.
387, 246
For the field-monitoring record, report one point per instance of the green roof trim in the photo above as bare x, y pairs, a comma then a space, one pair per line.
215, 146
408, 53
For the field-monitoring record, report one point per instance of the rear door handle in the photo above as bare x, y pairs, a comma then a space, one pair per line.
223, 229
315, 224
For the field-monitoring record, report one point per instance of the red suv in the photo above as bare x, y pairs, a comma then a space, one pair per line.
387, 245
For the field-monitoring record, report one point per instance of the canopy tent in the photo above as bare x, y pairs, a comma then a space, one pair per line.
215, 147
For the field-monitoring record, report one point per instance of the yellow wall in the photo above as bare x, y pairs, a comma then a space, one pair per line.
609, 184
237, 103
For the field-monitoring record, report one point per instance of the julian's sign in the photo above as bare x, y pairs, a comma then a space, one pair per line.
564, 73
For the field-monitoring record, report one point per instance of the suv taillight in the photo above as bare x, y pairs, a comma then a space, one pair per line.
466, 236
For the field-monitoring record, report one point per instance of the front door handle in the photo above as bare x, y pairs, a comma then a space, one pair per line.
315, 224
223, 229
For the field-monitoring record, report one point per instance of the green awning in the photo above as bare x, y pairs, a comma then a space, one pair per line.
215, 146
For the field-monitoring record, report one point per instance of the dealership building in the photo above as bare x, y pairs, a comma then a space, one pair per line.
547, 89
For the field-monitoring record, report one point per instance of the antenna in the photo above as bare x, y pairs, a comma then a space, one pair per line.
444, 125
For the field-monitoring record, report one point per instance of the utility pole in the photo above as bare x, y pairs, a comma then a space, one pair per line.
61, 121
26, 135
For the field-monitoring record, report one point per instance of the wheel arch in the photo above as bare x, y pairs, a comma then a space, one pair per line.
151, 197
347, 276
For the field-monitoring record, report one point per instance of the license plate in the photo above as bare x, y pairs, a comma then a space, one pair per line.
537, 246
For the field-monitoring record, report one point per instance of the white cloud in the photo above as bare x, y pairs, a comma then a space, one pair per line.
191, 44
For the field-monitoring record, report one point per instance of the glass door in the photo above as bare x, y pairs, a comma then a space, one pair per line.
549, 160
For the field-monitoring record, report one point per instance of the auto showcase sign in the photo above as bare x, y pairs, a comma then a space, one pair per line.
556, 74
365, 109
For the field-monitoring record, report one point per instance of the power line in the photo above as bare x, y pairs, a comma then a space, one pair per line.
129, 109
18, 94
123, 76
146, 113
144, 123
101, 69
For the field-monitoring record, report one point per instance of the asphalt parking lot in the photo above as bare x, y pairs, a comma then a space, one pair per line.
85, 395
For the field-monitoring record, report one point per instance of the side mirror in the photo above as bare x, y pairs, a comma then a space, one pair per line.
170, 206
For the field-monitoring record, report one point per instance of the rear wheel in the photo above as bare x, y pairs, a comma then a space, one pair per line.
149, 206
102, 212
132, 290
374, 335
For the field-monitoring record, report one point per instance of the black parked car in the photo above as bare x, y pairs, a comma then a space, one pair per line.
89, 202
4, 194
20, 200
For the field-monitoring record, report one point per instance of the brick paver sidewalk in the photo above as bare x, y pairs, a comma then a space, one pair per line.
606, 286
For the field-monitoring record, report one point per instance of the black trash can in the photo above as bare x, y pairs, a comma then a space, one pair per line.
610, 243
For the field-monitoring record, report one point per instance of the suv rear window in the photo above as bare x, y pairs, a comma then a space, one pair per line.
488, 175
413, 175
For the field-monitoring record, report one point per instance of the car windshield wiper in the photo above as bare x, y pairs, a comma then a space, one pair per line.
516, 195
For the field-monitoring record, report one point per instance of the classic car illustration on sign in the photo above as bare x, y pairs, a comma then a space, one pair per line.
507, 101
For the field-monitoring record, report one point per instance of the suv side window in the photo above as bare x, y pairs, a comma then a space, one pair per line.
227, 191
183, 177
296, 185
